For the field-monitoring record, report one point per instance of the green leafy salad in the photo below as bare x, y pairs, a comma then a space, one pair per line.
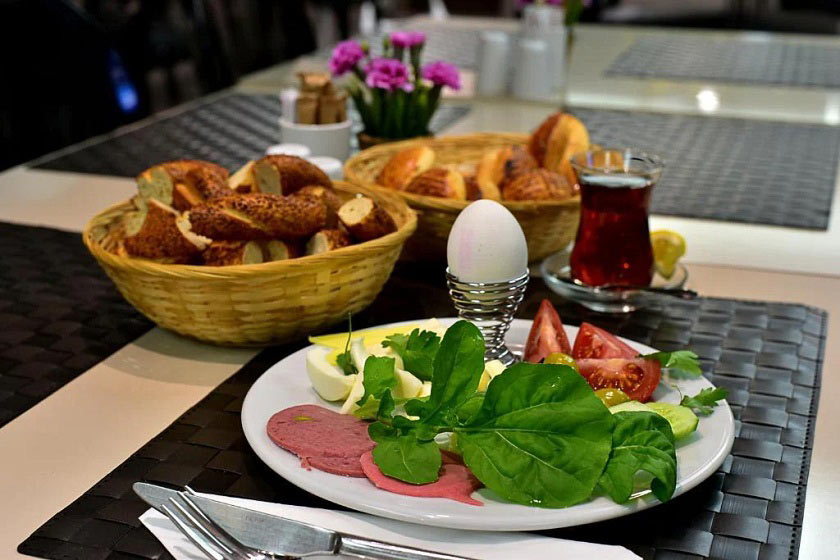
538, 435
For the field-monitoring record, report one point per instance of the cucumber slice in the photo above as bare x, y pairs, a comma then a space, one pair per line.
682, 419
630, 406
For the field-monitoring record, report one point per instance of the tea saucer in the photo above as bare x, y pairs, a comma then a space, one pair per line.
556, 273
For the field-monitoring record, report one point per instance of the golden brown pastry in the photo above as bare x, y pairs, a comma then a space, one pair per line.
182, 183
327, 240
365, 220
473, 190
282, 174
220, 222
163, 235
328, 196
557, 139
499, 166
440, 182
259, 216
277, 250
404, 166
540, 184
242, 181
226, 253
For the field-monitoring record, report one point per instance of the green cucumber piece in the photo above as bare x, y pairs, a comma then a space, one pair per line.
630, 406
682, 419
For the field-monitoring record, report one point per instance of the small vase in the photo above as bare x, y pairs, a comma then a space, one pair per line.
368, 141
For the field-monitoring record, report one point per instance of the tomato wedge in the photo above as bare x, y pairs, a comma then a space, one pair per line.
547, 335
594, 342
638, 378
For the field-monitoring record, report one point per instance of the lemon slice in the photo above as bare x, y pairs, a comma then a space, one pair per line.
668, 247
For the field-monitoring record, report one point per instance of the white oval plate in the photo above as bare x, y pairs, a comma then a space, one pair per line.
286, 384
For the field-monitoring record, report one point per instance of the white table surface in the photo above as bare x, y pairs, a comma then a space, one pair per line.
69, 441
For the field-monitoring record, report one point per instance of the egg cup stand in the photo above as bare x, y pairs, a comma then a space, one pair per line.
490, 306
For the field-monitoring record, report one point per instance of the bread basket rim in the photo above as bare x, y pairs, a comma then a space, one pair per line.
349, 253
447, 203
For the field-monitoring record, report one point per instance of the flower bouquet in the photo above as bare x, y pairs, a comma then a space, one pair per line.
394, 94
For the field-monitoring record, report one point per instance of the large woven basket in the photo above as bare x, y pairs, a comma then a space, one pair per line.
549, 226
258, 304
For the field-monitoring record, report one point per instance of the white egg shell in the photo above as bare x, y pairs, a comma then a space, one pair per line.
486, 244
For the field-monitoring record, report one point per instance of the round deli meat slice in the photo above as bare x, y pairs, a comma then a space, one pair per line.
323, 439
456, 482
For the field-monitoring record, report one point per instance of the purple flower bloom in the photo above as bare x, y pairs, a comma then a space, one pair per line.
345, 56
388, 73
442, 74
407, 39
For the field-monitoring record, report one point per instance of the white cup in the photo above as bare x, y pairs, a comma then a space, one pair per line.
329, 165
323, 139
532, 77
493, 63
298, 150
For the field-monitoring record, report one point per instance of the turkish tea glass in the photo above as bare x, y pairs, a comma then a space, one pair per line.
612, 246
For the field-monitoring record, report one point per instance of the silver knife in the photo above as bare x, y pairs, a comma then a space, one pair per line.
282, 536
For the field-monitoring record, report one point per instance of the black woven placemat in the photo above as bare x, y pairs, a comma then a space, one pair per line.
228, 130
59, 315
735, 170
721, 59
769, 355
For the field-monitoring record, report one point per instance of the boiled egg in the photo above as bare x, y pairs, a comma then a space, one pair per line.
486, 244
327, 380
491, 370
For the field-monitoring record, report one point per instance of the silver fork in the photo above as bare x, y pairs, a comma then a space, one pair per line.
206, 534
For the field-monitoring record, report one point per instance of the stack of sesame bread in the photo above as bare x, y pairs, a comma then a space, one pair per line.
276, 208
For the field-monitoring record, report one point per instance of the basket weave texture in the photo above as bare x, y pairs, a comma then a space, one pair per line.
549, 226
257, 304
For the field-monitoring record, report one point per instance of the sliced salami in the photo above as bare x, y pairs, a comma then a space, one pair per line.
323, 439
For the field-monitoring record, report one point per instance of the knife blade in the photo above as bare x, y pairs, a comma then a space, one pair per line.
253, 528
283, 536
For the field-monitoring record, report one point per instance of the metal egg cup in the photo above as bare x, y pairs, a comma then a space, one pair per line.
490, 306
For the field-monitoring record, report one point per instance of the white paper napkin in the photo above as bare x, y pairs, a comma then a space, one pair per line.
472, 544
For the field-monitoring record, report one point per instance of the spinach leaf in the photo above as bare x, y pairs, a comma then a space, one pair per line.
457, 370
415, 407
379, 376
417, 350
642, 441
470, 408
681, 364
540, 438
703, 403
404, 456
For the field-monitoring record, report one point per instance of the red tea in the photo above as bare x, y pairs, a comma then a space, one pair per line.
613, 239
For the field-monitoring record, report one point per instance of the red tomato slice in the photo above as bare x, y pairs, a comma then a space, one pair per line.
638, 378
593, 342
547, 335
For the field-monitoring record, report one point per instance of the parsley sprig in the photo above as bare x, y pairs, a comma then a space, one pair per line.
344, 361
704, 402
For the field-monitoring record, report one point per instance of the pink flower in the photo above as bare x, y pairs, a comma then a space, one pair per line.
389, 74
345, 56
442, 74
407, 39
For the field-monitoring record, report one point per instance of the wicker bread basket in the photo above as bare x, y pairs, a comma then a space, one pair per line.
257, 304
549, 226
